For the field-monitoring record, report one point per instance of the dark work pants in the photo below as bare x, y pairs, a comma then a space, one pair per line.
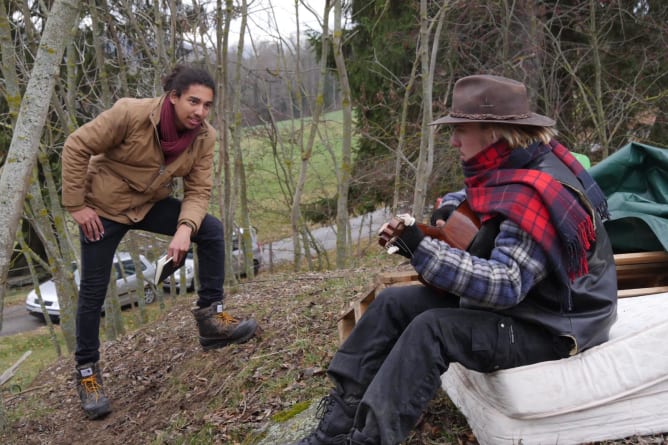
395, 355
97, 259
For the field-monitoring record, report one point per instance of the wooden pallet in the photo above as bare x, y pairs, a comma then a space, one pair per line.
638, 273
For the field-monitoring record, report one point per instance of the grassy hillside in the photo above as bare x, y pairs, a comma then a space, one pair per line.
165, 389
269, 197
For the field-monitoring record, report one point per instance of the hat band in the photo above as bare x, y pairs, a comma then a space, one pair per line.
490, 116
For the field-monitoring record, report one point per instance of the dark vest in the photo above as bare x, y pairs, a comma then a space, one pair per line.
586, 308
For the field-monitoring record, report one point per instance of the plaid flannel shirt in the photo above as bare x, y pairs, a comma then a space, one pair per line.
515, 265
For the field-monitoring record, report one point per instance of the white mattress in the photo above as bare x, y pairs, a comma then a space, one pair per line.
614, 390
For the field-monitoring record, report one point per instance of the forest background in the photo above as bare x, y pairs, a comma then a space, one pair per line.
383, 68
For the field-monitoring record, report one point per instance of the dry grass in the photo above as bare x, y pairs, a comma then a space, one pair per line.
165, 390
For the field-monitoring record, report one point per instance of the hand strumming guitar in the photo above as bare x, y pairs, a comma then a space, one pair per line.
408, 241
401, 235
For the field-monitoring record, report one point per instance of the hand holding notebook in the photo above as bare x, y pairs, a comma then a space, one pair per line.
164, 268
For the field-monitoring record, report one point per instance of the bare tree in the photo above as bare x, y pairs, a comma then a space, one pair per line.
27, 132
343, 172
10, 87
223, 105
244, 236
21, 156
428, 63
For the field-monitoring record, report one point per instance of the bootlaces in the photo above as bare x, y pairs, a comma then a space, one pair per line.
324, 406
91, 386
321, 411
226, 318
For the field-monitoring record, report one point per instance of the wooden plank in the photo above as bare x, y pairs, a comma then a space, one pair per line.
625, 293
390, 278
642, 275
360, 304
9, 373
659, 256
345, 325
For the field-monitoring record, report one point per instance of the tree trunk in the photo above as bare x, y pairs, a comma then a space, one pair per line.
225, 195
305, 152
239, 169
29, 125
428, 64
342, 218
12, 91
33, 273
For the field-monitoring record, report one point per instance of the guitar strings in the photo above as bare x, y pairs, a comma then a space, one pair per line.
401, 244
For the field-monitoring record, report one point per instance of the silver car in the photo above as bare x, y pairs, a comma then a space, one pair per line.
238, 255
126, 286
237, 262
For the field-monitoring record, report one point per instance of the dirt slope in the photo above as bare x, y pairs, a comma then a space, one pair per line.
166, 390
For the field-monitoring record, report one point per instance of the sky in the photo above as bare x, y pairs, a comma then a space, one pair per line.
265, 26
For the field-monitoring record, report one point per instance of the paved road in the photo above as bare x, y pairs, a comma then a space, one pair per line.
361, 227
16, 319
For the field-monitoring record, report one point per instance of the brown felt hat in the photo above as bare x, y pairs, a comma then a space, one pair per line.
486, 98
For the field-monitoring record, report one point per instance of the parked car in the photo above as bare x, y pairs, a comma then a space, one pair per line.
126, 286
190, 274
238, 255
237, 262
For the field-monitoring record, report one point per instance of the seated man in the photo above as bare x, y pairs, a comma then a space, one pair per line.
537, 283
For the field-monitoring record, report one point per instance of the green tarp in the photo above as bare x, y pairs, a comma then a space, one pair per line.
635, 181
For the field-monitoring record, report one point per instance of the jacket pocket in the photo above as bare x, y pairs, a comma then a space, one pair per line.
108, 192
490, 344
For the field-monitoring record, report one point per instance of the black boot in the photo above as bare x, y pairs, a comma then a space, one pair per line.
336, 420
358, 438
89, 386
218, 329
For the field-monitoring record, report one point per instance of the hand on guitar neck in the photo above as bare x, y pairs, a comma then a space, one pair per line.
458, 230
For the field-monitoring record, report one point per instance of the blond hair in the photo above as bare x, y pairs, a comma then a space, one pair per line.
519, 136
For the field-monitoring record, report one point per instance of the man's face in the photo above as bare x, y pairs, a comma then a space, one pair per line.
470, 139
192, 107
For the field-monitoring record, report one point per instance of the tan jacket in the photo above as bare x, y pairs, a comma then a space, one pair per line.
115, 165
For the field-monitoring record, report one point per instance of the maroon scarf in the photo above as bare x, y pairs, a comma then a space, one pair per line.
172, 141
498, 183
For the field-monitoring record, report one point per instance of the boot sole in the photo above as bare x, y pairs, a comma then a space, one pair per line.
98, 413
214, 343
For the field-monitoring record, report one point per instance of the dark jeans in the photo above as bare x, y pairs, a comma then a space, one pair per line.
97, 258
407, 338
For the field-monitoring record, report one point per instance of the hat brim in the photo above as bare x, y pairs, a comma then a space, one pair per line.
535, 120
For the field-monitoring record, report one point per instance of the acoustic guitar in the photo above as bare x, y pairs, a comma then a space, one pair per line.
458, 231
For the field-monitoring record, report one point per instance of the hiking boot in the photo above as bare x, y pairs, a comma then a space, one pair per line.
336, 420
218, 329
89, 386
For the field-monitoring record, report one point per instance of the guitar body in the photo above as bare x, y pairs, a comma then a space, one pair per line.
458, 231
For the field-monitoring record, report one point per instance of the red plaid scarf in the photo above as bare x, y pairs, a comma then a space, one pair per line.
172, 141
497, 183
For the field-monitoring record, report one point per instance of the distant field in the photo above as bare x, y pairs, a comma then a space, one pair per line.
268, 193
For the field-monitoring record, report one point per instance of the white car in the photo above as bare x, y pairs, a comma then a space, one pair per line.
176, 276
126, 286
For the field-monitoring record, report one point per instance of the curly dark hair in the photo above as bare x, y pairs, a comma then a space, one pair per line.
182, 76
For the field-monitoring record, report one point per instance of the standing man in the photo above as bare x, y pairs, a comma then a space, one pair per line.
537, 283
117, 174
